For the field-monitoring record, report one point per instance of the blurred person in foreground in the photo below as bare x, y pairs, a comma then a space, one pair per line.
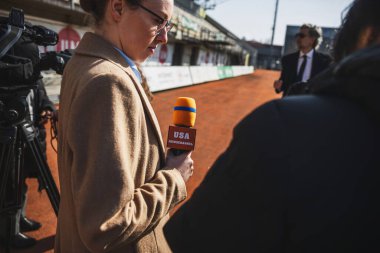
117, 185
299, 67
301, 173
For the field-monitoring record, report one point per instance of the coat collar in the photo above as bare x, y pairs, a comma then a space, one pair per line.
96, 46
356, 77
308, 54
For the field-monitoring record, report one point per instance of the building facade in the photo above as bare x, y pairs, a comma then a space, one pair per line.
195, 40
199, 49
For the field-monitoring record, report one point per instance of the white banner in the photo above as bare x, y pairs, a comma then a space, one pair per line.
163, 78
203, 74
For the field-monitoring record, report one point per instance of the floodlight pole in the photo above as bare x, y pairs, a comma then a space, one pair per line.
274, 23
273, 31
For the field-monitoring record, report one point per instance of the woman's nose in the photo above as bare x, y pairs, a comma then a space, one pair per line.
162, 36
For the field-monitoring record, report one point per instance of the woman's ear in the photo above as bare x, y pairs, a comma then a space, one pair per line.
117, 8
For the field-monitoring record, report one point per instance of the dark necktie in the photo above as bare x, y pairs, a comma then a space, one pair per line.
302, 69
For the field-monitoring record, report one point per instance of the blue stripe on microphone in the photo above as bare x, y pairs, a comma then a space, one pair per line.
183, 108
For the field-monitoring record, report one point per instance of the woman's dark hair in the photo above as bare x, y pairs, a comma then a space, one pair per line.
361, 14
144, 83
97, 8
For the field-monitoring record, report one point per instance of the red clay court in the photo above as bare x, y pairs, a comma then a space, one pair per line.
220, 106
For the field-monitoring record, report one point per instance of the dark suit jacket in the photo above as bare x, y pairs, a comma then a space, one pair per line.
289, 68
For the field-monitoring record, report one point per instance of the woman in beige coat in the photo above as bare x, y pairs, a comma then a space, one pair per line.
117, 185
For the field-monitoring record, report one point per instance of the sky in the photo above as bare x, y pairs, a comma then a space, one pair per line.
253, 19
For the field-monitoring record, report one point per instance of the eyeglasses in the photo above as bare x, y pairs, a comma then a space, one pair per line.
301, 35
163, 23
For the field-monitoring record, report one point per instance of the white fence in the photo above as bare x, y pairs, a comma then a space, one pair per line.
165, 78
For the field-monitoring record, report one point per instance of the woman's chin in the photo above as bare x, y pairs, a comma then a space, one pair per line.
151, 51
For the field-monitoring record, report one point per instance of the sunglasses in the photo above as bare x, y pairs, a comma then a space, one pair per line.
300, 35
163, 23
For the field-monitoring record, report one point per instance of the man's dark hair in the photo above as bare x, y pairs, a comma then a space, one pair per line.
314, 32
362, 14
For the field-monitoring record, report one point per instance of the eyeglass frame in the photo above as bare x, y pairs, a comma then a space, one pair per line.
168, 25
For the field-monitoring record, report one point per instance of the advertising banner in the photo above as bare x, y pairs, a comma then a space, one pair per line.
163, 78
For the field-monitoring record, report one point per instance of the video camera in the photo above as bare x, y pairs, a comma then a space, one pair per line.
21, 70
20, 78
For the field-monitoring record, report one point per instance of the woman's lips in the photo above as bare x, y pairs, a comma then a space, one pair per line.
152, 49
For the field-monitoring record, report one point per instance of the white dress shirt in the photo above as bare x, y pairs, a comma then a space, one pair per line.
307, 72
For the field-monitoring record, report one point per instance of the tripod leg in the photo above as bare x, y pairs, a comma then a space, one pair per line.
9, 234
44, 171
7, 159
10, 184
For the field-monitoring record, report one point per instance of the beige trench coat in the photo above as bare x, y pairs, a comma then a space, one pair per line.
115, 191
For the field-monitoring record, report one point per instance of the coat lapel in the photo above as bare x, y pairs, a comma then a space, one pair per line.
315, 66
104, 49
148, 109
295, 64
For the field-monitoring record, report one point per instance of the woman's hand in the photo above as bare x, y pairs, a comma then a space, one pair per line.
183, 163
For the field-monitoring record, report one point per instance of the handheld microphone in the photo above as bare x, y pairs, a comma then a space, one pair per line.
181, 136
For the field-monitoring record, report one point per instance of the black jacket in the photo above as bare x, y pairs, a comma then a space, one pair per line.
289, 68
300, 175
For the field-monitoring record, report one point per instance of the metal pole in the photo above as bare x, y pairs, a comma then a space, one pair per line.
273, 31
274, 23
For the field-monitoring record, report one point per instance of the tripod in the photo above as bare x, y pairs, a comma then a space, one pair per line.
16, 134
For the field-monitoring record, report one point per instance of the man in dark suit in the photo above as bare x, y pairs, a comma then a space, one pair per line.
299, 67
